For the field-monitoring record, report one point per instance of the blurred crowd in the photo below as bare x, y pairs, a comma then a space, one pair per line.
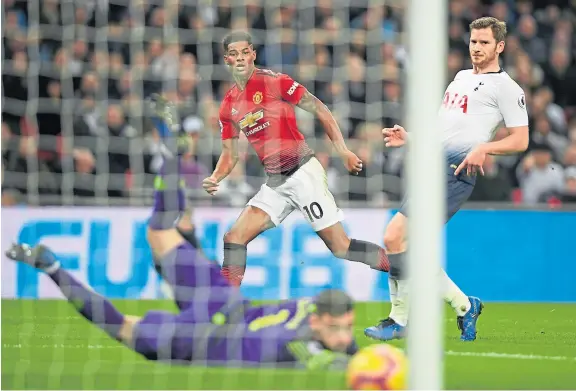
76, 74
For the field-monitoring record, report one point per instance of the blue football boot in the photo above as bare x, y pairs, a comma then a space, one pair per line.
40, 257
386, 330
467, 323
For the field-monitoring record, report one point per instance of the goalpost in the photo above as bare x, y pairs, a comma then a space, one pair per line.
427, 45
351, 69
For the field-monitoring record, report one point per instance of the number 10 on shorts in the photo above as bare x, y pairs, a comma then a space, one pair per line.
314, 211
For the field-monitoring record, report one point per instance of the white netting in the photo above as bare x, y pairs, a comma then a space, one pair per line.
88, 67
76, 73
75, 76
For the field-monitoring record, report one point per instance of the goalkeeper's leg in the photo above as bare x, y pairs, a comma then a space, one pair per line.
95, 308
195, 282
169, 197
159, 335
170, 209
187, 229
170, 225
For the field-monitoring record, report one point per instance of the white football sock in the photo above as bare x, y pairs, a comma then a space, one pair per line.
399, 299
453, 295
166, 290
52, 268
393, 295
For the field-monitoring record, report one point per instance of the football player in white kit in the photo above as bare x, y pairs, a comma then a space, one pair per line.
475, 104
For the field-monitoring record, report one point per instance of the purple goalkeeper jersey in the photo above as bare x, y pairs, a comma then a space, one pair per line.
218, 326
276, 334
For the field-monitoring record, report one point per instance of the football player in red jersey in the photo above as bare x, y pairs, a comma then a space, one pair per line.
261, 105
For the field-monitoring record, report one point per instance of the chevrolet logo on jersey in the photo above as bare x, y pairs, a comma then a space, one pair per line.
251, 119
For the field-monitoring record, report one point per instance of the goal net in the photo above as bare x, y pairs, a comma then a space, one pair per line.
79, 161
77, 75
81, 158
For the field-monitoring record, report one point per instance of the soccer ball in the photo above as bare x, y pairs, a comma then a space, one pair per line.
377, 367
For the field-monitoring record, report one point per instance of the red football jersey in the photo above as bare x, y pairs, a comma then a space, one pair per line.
264, 112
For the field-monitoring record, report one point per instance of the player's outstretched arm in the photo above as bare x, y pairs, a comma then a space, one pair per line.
313, 105
226, 163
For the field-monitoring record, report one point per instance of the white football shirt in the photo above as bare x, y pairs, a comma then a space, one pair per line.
474, 108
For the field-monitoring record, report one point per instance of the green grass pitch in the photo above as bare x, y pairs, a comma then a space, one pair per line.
46, 345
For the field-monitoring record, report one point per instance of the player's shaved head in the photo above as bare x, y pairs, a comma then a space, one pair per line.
333, 302
236, 36
498, 27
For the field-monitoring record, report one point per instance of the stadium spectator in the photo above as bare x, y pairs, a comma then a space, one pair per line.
88, 121
193, 170
11, 197
568, 194
495, 185
539, 176
542, 134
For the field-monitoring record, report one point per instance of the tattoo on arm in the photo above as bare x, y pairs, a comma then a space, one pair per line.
230, 147
309, 103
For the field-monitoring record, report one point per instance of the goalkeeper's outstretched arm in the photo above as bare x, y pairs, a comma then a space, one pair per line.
320, 359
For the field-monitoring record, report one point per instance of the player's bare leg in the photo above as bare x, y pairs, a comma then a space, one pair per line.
126, 332
251, 223
337, 240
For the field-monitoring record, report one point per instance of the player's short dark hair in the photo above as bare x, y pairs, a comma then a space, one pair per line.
236, 36
333, 302
498, 27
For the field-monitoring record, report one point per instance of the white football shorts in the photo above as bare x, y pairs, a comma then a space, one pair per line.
307, 191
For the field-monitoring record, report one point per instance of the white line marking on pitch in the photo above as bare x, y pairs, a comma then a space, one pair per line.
513, 356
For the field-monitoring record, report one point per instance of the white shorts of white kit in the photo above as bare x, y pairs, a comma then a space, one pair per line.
307, 191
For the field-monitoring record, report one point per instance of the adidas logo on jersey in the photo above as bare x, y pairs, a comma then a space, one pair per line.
234, 111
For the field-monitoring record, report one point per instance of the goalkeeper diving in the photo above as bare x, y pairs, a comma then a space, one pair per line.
215, 325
